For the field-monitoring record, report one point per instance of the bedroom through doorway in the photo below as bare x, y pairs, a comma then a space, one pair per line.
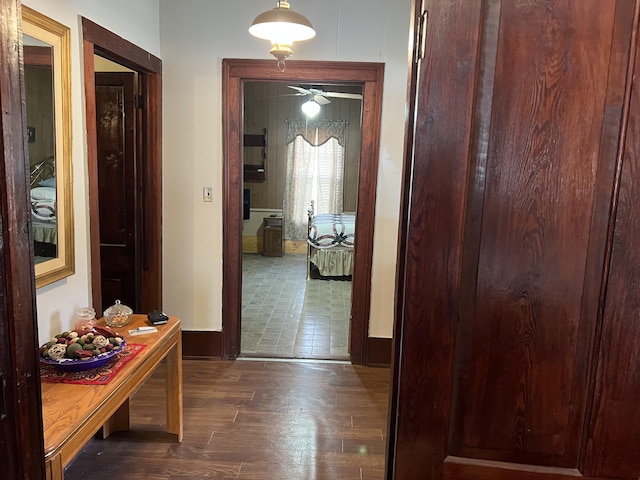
235, 73
290, 307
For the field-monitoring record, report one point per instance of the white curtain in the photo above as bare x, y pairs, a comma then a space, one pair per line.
315, 171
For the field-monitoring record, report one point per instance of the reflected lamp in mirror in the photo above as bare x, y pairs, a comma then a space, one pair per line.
47, 87
282, 26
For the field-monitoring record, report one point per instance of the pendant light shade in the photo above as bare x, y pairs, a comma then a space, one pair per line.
282, 26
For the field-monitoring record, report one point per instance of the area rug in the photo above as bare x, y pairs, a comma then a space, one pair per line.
95, 376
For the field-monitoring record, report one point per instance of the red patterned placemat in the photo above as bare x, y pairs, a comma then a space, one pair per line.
95, 376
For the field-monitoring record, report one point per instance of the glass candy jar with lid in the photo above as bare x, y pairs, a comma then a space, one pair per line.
117, 315
85, 319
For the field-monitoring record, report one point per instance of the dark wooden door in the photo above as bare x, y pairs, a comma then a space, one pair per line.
117, 180
21, 436
517, 334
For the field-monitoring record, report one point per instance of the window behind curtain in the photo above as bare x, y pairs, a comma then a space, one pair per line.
315, 171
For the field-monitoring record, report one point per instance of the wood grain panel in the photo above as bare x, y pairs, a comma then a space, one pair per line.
21, 434
533, 243
232, 219
549, 102
615, 427
37, 57
118, 49
458, 468
436, 171
201, 344
397, 360
151, 151
614, 125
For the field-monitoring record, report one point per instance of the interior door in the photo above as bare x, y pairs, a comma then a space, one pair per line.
516, 317
117, 181
21, 435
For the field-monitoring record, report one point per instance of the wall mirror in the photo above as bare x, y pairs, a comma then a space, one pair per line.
47, 80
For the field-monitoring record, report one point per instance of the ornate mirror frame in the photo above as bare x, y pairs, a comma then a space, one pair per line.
42, 28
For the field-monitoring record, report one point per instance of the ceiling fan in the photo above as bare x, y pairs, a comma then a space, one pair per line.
320, 96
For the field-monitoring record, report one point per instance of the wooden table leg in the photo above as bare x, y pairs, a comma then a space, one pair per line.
54, 468
119, 421
174, 390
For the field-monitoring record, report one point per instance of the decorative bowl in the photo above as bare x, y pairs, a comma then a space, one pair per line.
81, 364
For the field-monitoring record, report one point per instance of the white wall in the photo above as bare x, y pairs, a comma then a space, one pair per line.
195, 36
137, 22
192, 37
251, 226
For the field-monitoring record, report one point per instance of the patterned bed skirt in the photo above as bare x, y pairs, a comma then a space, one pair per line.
333, 262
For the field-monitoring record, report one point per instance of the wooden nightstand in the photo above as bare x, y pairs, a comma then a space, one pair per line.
273, 236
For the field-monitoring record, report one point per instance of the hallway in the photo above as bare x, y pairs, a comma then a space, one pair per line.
253, 420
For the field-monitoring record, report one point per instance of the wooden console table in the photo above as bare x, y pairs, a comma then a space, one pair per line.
72, 414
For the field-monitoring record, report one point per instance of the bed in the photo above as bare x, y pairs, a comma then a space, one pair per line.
43, 207
330, 243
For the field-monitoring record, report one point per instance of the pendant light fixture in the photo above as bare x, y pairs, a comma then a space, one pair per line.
282, 26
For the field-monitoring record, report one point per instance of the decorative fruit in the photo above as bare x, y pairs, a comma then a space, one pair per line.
57, 351
81, 345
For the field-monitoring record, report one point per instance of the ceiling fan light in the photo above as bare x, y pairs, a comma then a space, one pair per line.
281, 25
310, 108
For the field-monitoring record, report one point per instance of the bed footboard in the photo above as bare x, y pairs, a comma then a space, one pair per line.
310, 215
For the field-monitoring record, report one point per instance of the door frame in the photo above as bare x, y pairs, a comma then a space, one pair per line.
20, 394
234, 73
99, 41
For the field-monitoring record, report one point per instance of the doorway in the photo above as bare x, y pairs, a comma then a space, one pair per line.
235, 73
148, 181
290, 309
118, 170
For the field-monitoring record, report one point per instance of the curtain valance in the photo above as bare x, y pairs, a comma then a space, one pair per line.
317, 132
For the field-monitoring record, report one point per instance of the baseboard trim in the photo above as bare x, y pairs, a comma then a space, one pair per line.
379, 352
201, 344
249, 244
208, 344
253, 244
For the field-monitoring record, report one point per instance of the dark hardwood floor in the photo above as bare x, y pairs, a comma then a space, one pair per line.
253, 420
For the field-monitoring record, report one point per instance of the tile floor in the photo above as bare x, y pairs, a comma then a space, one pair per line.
285, 315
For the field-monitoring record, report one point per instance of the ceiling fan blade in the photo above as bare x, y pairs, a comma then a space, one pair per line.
302, 91
286, 95
321, 100
355, 96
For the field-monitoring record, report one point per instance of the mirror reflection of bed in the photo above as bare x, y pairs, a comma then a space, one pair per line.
38, 78
43, 209
298, 305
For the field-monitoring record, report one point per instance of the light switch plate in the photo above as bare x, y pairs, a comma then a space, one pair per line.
207, 194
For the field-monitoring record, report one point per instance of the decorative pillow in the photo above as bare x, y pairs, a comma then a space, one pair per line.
43, 193
49, 182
